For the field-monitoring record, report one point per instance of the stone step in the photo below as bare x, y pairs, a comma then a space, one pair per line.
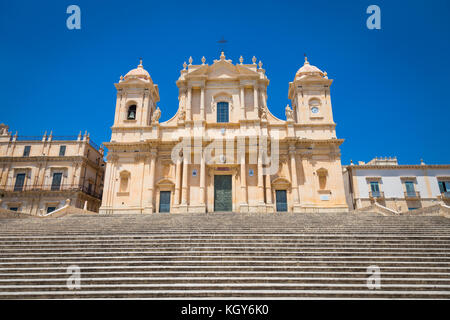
175, 275
269, 252
444, 288
226, 256
229, 294
242, 264
227, 268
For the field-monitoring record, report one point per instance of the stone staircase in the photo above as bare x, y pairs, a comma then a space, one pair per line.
226, 256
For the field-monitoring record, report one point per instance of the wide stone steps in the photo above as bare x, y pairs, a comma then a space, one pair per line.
226, 256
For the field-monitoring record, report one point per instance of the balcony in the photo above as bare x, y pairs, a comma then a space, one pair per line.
51, 188
376, 195
412, 195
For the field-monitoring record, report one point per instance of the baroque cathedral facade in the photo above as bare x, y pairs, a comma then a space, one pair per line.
223, 150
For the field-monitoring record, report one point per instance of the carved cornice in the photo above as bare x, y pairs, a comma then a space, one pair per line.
399, 167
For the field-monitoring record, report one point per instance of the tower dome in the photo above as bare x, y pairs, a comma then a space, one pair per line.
139, 72
308, 69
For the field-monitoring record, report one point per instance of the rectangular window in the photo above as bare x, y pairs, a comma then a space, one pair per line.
20, 181
444, 186
222, 112
375, 188
410, 188
62, 151
26, 151
56, 182
14, 209
50, 209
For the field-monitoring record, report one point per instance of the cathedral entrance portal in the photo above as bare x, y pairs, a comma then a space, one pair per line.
222, 193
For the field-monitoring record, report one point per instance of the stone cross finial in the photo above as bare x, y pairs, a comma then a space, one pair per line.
254, 60
203, 60
241, 60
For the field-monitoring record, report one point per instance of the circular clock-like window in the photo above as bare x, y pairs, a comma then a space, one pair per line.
315, 110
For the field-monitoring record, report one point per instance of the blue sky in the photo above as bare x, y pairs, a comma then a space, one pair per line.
390, 94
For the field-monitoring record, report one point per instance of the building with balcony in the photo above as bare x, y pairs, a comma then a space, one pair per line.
39, 174
397, 187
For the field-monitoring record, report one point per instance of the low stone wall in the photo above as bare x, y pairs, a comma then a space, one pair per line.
7, 214
377, 208
66, 210
435, 210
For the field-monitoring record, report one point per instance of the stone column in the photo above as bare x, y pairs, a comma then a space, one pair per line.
260, 180
243, 179
118, 107
144, 120
152, 179
202, 179
202, 103
177, 181
268, 190
242, 102
255, 97
188, 103
185, 178
294, 175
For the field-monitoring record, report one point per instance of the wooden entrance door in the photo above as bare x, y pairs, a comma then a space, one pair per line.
281, 199
222, 193
164, 201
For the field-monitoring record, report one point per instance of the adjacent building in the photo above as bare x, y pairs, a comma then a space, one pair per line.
39, 174
397, 187
224, 150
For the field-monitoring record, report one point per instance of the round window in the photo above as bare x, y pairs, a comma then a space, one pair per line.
315, 110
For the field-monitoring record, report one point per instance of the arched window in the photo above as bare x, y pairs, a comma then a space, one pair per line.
131, 115
222, 112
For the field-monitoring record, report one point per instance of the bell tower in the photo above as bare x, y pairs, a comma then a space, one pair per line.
137, 96
310, 97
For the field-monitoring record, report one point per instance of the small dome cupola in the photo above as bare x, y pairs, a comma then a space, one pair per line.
308, 70
139, 73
